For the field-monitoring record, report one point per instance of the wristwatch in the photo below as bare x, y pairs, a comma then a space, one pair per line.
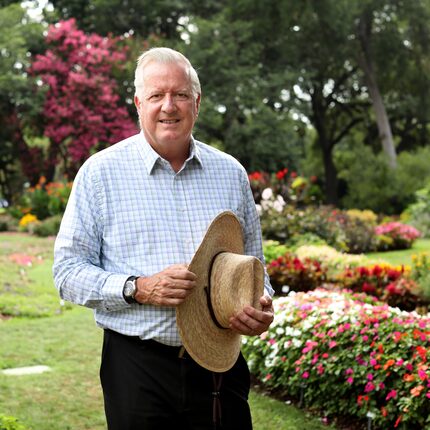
130, 290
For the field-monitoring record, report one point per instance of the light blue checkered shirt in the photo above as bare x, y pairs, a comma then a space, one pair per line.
129, 213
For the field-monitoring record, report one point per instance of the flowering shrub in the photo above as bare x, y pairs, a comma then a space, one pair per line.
347, 357
400, 236
388, 283
45, 199
293, 188
26, 220
296, 274
367, 216
332, 259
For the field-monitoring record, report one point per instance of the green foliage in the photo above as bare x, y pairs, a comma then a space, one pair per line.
421, 273
418, 213
43, 200
272, 249
48, 227
8, 222
10, 423
363, 173
19, 39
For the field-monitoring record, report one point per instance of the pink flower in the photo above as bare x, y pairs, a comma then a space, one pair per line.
332, 344
391, 395
305, 375
349, 371
350, 380
369, 387
422, 375
370, 377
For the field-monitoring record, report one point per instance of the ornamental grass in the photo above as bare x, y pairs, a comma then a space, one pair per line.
347, 354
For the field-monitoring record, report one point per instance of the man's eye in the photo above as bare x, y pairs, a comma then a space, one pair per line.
155, 97
182, 96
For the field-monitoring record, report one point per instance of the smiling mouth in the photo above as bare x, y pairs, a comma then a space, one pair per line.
169, 121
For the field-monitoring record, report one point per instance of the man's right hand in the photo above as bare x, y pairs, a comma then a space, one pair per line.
170, 287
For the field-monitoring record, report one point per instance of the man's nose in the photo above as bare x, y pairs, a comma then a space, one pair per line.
169, 103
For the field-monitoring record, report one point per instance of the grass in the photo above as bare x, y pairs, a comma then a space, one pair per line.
25, 276
69, 396
402, 256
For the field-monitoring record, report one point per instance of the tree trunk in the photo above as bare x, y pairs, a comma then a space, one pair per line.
330, 175
365, 61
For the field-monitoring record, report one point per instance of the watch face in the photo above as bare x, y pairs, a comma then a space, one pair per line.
129, 289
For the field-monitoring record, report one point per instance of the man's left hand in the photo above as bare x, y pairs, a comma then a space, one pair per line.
251, 321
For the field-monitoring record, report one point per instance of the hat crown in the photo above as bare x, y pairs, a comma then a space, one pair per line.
236, 281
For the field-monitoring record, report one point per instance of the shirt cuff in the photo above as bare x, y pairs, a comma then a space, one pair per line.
113, 300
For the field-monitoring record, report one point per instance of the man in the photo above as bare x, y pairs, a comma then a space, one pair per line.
137, 213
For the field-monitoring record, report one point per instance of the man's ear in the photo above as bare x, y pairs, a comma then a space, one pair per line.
137, 102
198, 100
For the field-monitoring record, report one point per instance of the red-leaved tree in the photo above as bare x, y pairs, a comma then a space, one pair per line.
82, 110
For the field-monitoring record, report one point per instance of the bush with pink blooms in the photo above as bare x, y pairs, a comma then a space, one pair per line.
347, 354
395, 235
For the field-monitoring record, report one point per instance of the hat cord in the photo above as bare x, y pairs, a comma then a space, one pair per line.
208, 294
216, 405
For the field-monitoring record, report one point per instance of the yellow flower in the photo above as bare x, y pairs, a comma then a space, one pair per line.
27, 219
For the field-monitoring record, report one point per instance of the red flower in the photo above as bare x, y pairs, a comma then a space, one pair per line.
255, 176
281, 173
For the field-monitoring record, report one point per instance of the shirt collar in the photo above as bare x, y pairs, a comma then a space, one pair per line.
151, 157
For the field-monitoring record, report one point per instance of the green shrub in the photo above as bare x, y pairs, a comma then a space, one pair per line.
48, 227
8, 222
10, 423
372, 184
418, 213
272, 249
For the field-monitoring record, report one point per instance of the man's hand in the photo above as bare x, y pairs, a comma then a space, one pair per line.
170, 287
251, 321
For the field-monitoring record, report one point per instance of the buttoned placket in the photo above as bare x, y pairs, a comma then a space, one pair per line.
183, 219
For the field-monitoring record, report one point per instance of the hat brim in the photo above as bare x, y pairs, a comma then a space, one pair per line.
214, 348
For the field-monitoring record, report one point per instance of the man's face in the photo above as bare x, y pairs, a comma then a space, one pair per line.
166, 106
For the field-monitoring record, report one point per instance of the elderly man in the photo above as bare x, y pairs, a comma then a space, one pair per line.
137, 213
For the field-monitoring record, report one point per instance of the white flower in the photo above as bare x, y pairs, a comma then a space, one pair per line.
267, 194
297, 343
278, 206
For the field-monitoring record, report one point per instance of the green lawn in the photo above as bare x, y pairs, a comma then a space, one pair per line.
69, 396
402, 256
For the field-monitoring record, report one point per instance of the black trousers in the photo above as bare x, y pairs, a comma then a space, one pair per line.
147, 385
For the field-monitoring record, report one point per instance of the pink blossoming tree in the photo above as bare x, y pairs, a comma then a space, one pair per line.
82, 111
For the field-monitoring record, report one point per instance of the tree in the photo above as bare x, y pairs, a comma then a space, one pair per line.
305, 60
19, 39
81, 112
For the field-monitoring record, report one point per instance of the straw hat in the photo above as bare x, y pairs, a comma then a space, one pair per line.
233, 280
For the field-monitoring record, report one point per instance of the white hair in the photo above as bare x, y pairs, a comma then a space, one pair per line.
164, 55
